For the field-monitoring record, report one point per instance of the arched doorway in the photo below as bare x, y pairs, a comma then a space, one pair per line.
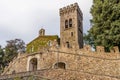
33, 64
60, 65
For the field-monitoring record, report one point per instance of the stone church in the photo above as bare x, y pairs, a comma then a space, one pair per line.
49, 57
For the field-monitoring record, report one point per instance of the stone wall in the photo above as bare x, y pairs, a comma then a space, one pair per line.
17, 65
57, 74
84, 60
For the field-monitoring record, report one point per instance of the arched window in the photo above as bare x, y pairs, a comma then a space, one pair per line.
71, 34
66, 24
60, 65
70, 22
49, 43
67, 44
33, 64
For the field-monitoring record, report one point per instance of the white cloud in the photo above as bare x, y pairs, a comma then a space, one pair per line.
23, 18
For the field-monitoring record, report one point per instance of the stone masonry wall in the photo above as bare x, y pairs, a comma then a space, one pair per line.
17, 65
57, 74
99, 63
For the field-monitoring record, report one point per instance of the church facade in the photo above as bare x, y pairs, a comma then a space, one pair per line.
51, 58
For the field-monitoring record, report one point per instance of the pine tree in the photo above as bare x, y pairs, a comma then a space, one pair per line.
105, 23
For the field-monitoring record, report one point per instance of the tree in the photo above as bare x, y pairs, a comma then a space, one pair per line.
105, 23
1, 59
12, 49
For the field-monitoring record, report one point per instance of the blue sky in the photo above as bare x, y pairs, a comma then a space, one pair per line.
24, 18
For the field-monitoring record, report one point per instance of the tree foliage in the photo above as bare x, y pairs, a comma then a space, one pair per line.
1, 59
12, 49
105, 23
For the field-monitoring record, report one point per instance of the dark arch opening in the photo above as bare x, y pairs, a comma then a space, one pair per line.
60, 65
67, 44
33, 64
66, 24
70, 22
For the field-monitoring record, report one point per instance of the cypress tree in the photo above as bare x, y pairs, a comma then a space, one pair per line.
105, 30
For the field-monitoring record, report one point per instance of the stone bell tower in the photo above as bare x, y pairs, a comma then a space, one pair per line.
71, 27
42, 32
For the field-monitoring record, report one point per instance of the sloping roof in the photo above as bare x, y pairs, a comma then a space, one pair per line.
46, 37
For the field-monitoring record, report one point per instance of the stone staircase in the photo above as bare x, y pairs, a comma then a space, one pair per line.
57, 74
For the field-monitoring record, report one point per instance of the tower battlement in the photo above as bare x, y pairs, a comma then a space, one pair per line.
70, 8
101, 49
